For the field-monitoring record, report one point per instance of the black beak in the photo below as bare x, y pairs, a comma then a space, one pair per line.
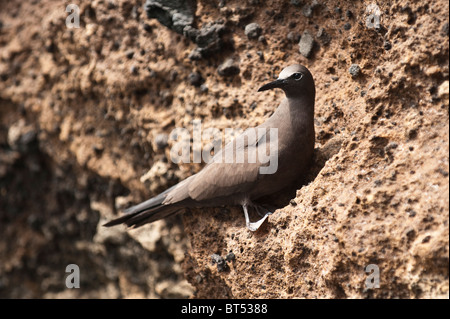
272, 85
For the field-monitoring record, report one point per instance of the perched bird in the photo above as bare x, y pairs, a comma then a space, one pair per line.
237, 182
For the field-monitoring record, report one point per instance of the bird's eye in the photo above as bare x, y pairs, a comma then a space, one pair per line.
297, 76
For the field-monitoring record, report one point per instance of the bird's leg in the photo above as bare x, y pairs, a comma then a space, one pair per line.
253, 226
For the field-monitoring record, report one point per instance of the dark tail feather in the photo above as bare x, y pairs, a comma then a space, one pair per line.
152, 215
146, 212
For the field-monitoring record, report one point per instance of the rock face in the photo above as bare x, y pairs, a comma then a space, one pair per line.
82, 111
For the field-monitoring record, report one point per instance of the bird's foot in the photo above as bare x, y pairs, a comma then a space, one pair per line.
254, 226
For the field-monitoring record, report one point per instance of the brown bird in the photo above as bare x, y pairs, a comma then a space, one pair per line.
288, 136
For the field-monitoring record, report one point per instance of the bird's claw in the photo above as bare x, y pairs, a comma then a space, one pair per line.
254, 226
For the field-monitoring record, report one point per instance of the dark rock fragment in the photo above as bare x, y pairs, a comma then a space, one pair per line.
228, 68
174, 14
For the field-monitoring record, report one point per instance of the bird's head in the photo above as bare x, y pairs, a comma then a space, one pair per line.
295, 80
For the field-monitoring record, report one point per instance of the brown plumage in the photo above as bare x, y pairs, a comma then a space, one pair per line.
224, 183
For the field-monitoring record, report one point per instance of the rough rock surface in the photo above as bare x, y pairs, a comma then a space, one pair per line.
81, 109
